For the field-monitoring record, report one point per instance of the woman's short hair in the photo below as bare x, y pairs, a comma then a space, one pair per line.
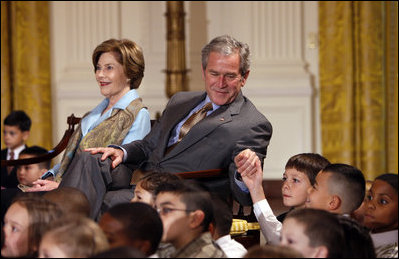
128, 54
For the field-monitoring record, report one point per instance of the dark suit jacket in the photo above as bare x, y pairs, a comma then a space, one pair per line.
210, 144
8, 180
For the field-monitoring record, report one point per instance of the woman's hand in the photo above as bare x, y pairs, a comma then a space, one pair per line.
42, 185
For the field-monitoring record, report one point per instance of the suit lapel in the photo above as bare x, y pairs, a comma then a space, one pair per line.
206, 126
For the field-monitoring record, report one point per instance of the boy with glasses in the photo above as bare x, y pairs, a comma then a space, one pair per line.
186, 212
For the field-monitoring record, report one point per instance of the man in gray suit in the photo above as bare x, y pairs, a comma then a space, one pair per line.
224, 139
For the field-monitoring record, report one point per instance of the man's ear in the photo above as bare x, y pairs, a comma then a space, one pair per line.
335, 203
196, 218
321, 252
244, 78
202, 73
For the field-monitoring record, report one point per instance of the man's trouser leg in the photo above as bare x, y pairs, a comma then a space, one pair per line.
95, 177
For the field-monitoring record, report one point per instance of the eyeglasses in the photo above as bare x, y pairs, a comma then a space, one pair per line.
164, 211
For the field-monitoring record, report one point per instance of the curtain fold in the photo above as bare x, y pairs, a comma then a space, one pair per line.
353, 86
25, 66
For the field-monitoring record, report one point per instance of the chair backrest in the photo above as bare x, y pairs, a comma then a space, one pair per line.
72, 121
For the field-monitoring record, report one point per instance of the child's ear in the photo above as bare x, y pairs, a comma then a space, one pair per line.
321, 252
196, 218
335, 203
143, 245
25, 135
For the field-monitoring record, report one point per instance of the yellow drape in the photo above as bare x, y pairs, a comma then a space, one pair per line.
25, 66
358, 89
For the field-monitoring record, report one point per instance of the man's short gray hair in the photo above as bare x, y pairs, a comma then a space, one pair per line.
227, 45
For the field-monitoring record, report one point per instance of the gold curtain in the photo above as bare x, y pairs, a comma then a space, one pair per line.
25, 66
358, 84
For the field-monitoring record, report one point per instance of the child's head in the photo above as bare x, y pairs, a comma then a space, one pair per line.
272, 251
300, 173
76, 237
358, 214
133, 224
16, 129
25, 222
27, 174
313, 232
72, 201
382, 204
339, 188
358, 242
222, 218
185, 210
146, 186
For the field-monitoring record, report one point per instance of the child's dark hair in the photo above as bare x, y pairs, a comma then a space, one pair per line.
152, 180
37, 151
358, 242
20, 119
392, 179
222, 216
193, 195
349, 183
322, 228
308, 163
140, 221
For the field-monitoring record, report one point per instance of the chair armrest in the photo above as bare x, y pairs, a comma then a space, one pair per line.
200, 174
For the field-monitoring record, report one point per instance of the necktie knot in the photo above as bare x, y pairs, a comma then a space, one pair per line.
190, 122
207, 107
12, 155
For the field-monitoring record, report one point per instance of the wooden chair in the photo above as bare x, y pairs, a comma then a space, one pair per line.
72, 121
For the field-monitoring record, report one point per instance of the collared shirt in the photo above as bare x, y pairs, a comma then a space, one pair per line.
140, 128
16, 151
231, 247
269, 225
386, 244
174, 136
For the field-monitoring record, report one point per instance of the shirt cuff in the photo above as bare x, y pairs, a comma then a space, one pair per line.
121, 148
52, 172
240, 183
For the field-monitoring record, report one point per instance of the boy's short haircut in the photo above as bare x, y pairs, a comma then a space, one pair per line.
309, 163
272, 251
222, 216
391, 179
322, 228
193, 195
37, 151
152, 180
140, 221
348, 183
358, 242
19, 119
